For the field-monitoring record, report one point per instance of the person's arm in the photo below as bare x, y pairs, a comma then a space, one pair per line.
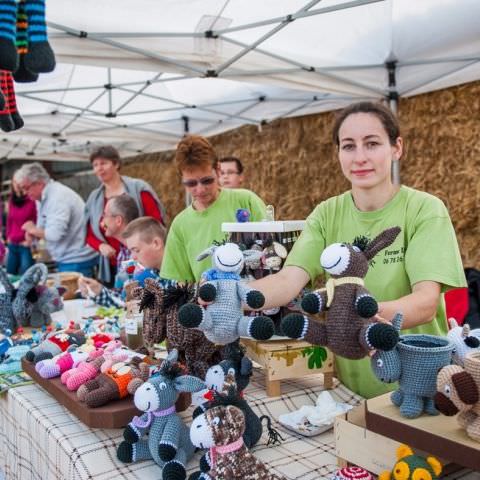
150, 206
33, 230
418, 308
281, 288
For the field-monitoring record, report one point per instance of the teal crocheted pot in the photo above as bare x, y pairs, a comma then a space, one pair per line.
421, 357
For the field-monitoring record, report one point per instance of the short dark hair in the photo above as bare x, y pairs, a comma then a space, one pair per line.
147, 227
383, 113
194, 151
237, 161
109, 152
125, 206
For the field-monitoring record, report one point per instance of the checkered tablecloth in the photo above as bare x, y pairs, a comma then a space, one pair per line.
41, 440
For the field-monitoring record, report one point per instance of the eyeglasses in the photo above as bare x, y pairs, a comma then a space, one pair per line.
229, 172
203, 181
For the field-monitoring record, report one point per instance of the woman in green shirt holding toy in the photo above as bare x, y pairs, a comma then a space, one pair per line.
412, 274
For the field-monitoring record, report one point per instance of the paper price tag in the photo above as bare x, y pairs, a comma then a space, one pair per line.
131, 324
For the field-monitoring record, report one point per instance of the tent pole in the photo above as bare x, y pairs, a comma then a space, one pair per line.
393, 104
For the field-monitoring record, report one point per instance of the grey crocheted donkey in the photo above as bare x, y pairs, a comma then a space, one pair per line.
223, 321
350, 329
414, 363
168, 443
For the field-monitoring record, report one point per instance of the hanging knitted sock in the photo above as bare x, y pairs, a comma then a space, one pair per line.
8, 51
40, 57
2, 100
23, 74
12, 103
6, 122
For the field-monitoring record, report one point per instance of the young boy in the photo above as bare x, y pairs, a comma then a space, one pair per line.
145, 238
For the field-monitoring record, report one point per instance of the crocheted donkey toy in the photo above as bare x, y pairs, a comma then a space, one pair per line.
458, 390
168, 442
464, 339
414, 363
55, 343
349, 330
220, 429
223, 320
160, 322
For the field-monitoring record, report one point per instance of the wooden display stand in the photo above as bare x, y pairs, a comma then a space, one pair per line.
283, 359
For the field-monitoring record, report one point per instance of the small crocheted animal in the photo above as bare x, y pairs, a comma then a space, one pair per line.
458, 390
73, 379
168, 442
223, 320
55, 343
160, 322
220, 429
464, 339
54, 367
11, 362
412, 467
349, 330
414, 363
119, 381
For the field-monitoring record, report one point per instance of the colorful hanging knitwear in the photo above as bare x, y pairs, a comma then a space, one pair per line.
23, 74
10, 119
8, 50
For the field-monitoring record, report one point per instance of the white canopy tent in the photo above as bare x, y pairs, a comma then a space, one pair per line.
141, 74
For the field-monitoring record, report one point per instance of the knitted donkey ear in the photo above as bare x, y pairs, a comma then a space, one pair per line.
246, 366
386, 238
206, 253
466, 387
397, 321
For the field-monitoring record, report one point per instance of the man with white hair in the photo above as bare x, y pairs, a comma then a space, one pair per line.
60, 220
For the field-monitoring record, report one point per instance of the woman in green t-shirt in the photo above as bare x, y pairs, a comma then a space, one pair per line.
411, 275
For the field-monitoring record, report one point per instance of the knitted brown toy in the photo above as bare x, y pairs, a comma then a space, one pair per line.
160, 307
221, 429
349, 330
119, 381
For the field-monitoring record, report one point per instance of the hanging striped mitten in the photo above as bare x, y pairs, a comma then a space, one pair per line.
40, 57
23, 74
6, 122
8, 50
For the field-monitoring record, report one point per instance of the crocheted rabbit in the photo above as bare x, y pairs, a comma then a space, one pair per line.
121, 380
414, 363
220, 429
223, 320
464, 339
349, 330
55, 343
458, 391
168, 442
412, 467
160, 322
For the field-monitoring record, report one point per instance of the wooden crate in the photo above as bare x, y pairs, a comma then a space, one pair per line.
283, 359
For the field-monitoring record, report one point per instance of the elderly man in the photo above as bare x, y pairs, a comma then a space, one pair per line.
60, 220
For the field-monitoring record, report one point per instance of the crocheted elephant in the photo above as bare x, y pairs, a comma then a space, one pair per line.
160, 311
168, 442
412, 467
464, 339
220, 429
458, 391
349, 329
223, 320
55, 343
414, 363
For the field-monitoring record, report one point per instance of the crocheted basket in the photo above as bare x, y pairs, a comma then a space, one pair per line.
349, 473
422, 356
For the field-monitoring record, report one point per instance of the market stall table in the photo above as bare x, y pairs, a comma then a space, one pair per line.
41, 440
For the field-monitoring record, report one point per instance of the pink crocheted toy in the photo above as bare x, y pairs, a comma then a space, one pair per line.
73, 379
114, 352
59, 364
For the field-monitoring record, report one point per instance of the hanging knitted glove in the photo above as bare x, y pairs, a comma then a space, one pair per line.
23, 74
40, 57
12, 103
8, 50
6, 122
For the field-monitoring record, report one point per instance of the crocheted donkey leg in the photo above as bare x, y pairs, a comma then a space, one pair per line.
381, 336
132, 452
259, 328
314, 302
296, 325
412, 406
191, 315
175, 469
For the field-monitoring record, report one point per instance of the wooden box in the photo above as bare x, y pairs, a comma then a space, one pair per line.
286, 358
116, 414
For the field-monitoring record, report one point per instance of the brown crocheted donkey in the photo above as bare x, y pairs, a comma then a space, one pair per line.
349, 330
221, 429
160, 307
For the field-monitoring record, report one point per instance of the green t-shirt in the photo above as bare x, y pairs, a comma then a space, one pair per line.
426, 249
193, 231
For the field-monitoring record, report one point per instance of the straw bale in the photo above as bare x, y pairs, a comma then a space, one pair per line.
291, 163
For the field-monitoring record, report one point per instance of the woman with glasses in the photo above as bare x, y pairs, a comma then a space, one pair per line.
106, 164
200, 224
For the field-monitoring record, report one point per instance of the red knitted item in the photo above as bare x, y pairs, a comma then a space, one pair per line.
60, 341
6, 122
356, 473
